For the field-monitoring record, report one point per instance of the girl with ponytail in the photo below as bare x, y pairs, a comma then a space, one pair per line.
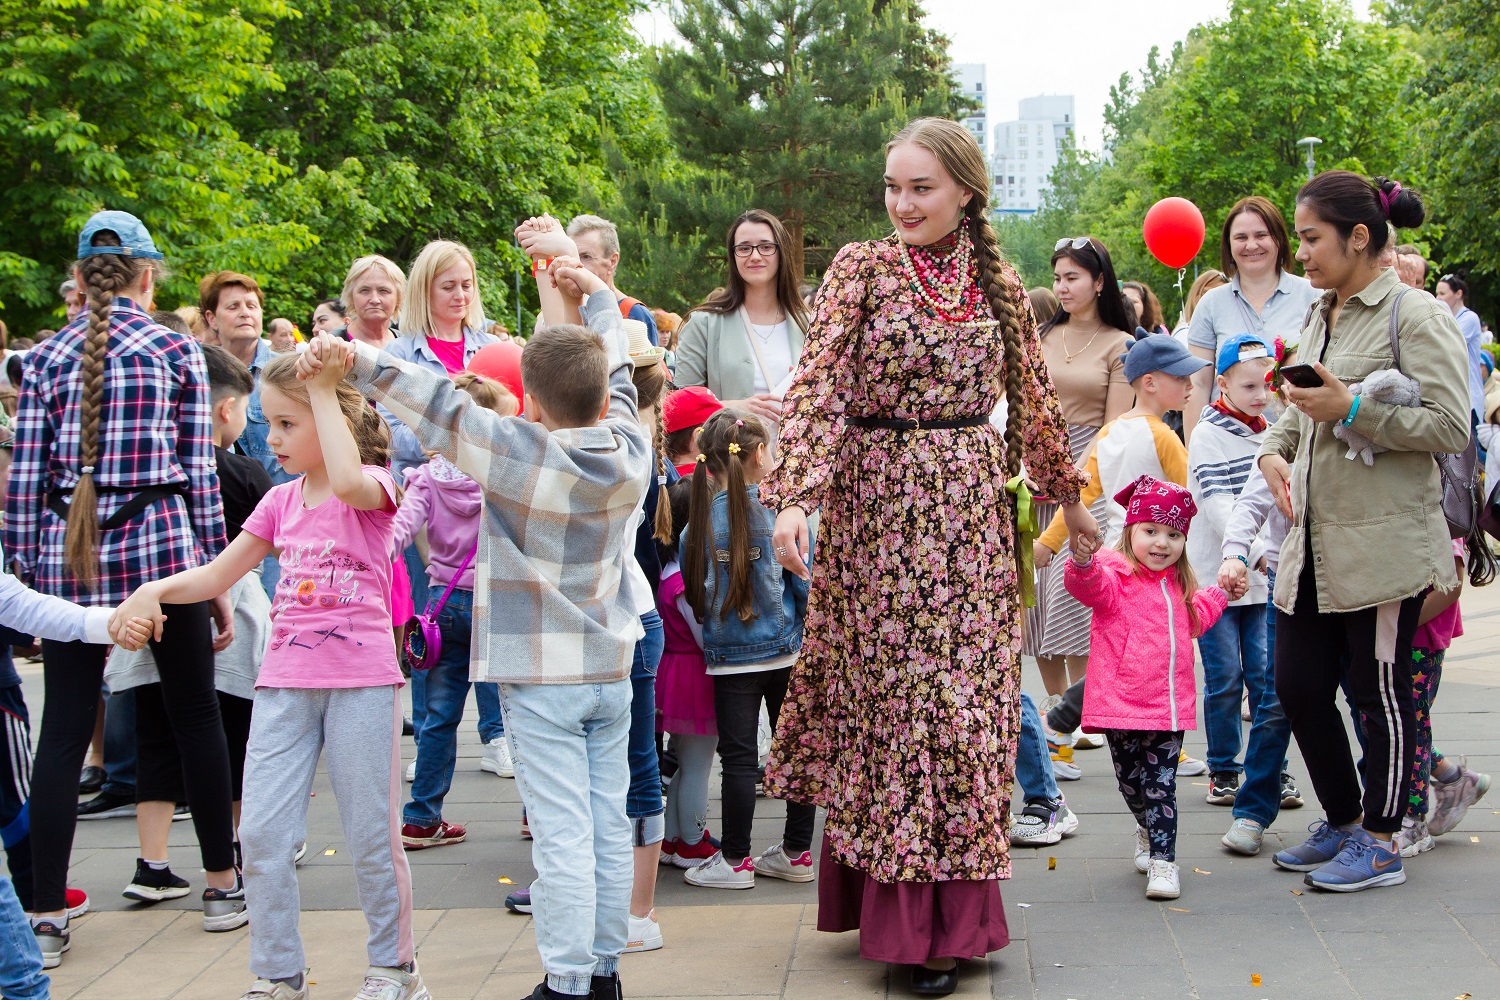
113, 485
751, 610
903, 711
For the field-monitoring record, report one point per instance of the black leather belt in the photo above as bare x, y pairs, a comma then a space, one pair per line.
883, 423
141, 499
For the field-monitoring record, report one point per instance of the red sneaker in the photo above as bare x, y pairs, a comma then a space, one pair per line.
525, 827
77, 902
669, 851
692, 855
416, 838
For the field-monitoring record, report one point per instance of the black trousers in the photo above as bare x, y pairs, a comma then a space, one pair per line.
737, 699
1311, 652
163, 779
72, 673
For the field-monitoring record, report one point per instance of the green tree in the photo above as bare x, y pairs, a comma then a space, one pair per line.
1457, 105
128, 105
796, 99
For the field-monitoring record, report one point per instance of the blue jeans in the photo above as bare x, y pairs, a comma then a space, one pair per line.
572, 767
447, 689
1234, 657
21, 976
119, 743
644, 803
1033, 762
1259, 797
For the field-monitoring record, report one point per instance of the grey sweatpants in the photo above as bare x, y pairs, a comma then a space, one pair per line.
358, 730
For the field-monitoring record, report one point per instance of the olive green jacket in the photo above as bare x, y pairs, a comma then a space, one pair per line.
713, 351
1377, 532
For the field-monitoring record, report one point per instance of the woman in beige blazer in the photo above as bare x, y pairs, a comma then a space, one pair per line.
745, 339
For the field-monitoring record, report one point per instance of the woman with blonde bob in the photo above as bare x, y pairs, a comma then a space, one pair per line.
372, 297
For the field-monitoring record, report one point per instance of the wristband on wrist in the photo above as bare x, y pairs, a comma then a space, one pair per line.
1353, 409
1242, 559
539, 265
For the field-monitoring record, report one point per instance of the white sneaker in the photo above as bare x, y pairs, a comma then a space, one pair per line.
1087, 741
495, 757
1162, 881
265, 989
1190, 767
1414, 838
1245, 706
300, 855
776, 863
716, 873
411, 771
1142, 851
1244, 837
1042, 823
644, 934
392, 984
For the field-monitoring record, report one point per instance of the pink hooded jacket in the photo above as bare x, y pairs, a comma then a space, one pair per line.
1140, 645
449, 503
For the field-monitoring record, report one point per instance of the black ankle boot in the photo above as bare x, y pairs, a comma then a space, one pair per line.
927, 982
606, 988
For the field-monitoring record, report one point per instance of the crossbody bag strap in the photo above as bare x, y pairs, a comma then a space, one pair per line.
760, 358
1395, 319
442, 601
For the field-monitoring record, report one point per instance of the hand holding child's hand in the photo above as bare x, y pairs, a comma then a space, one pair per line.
573, 279
137, 632
140, 607
543, 237
1234, 579
1041, 555
1084, 547
333, 357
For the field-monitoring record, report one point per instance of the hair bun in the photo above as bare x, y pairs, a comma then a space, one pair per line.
1403, 206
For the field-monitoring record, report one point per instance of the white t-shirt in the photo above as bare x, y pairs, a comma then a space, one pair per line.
775, 344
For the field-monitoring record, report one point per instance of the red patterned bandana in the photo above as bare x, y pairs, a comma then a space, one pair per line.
1151, 499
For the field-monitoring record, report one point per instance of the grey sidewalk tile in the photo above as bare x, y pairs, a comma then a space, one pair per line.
1112, 982
1398, 944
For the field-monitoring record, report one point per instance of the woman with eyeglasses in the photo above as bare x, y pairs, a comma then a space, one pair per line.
745, 339
1082, 343
1263, 296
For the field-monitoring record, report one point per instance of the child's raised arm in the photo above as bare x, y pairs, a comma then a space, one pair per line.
346, 474
544, 241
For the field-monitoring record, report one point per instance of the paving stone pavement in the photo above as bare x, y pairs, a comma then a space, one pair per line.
1080, 930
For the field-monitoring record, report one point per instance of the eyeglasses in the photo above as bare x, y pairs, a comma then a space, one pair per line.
1078, 243
746, 249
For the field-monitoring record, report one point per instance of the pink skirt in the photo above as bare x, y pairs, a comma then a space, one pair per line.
908, 923
401, 606
685, 696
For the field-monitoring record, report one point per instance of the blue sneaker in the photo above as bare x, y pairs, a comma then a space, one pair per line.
1322, 847
519, 901
1364, 863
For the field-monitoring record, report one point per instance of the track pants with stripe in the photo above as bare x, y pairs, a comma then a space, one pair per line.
1311, 647
15, 789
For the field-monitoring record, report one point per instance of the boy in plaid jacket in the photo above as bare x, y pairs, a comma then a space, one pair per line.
554, 610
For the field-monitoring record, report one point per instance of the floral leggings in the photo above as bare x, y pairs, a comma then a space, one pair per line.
1426, 671
1146, 769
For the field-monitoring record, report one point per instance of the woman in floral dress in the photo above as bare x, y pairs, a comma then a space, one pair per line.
904, 708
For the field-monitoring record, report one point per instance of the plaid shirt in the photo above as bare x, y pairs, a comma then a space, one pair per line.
552, 601
155, 429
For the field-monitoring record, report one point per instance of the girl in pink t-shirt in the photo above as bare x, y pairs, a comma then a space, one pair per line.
330, 682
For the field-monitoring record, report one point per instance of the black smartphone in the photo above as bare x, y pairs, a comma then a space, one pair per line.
1302, 376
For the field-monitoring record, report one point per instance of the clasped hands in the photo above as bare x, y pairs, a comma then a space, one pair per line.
139, 619
1084, 537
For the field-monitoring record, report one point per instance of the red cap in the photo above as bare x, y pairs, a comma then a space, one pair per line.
1151, 499
689, 407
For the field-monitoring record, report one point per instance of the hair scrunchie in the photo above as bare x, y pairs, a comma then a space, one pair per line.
1388, 198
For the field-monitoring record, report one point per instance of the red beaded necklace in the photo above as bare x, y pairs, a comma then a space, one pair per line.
946, 280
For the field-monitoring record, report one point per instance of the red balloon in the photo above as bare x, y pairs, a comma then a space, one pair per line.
501, 362
1174, 231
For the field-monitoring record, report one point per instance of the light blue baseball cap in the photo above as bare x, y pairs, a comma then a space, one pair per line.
135, 241
1242, 347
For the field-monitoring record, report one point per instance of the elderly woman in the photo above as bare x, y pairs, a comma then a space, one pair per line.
372, 297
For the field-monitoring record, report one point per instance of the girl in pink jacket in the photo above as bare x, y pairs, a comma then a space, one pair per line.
1141, 694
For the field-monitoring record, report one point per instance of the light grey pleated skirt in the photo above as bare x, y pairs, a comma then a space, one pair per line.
1059, 625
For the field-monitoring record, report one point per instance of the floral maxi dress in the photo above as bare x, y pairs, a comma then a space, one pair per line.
903, 711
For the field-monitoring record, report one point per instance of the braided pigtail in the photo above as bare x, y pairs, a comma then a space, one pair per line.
1005, 303
663, 526
103, 277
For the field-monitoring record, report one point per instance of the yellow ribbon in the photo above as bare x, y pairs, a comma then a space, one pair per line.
1027, 531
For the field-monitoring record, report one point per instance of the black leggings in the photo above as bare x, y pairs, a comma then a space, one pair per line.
162, 779
72, 673
1312, 648
737, 699
1146, 771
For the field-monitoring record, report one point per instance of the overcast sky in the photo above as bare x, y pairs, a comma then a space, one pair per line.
1038, 47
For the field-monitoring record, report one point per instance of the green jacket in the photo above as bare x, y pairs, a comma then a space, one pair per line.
1378, 532
712, 351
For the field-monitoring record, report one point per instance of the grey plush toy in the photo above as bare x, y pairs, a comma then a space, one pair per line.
1385, 386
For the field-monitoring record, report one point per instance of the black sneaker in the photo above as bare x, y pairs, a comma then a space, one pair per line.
154, 885
91, 780
1223, 787
107, 805
1291, 798
606, 988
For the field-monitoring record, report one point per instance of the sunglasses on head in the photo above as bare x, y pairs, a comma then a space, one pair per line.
1077, 243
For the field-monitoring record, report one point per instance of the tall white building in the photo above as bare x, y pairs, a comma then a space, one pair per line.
1025, 151
971, 80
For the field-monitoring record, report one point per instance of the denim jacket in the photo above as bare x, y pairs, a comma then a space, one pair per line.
252, 440
780, 598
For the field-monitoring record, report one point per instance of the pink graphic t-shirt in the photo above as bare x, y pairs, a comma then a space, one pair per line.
330, 617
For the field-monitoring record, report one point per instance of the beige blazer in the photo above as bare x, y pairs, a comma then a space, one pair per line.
712, 350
